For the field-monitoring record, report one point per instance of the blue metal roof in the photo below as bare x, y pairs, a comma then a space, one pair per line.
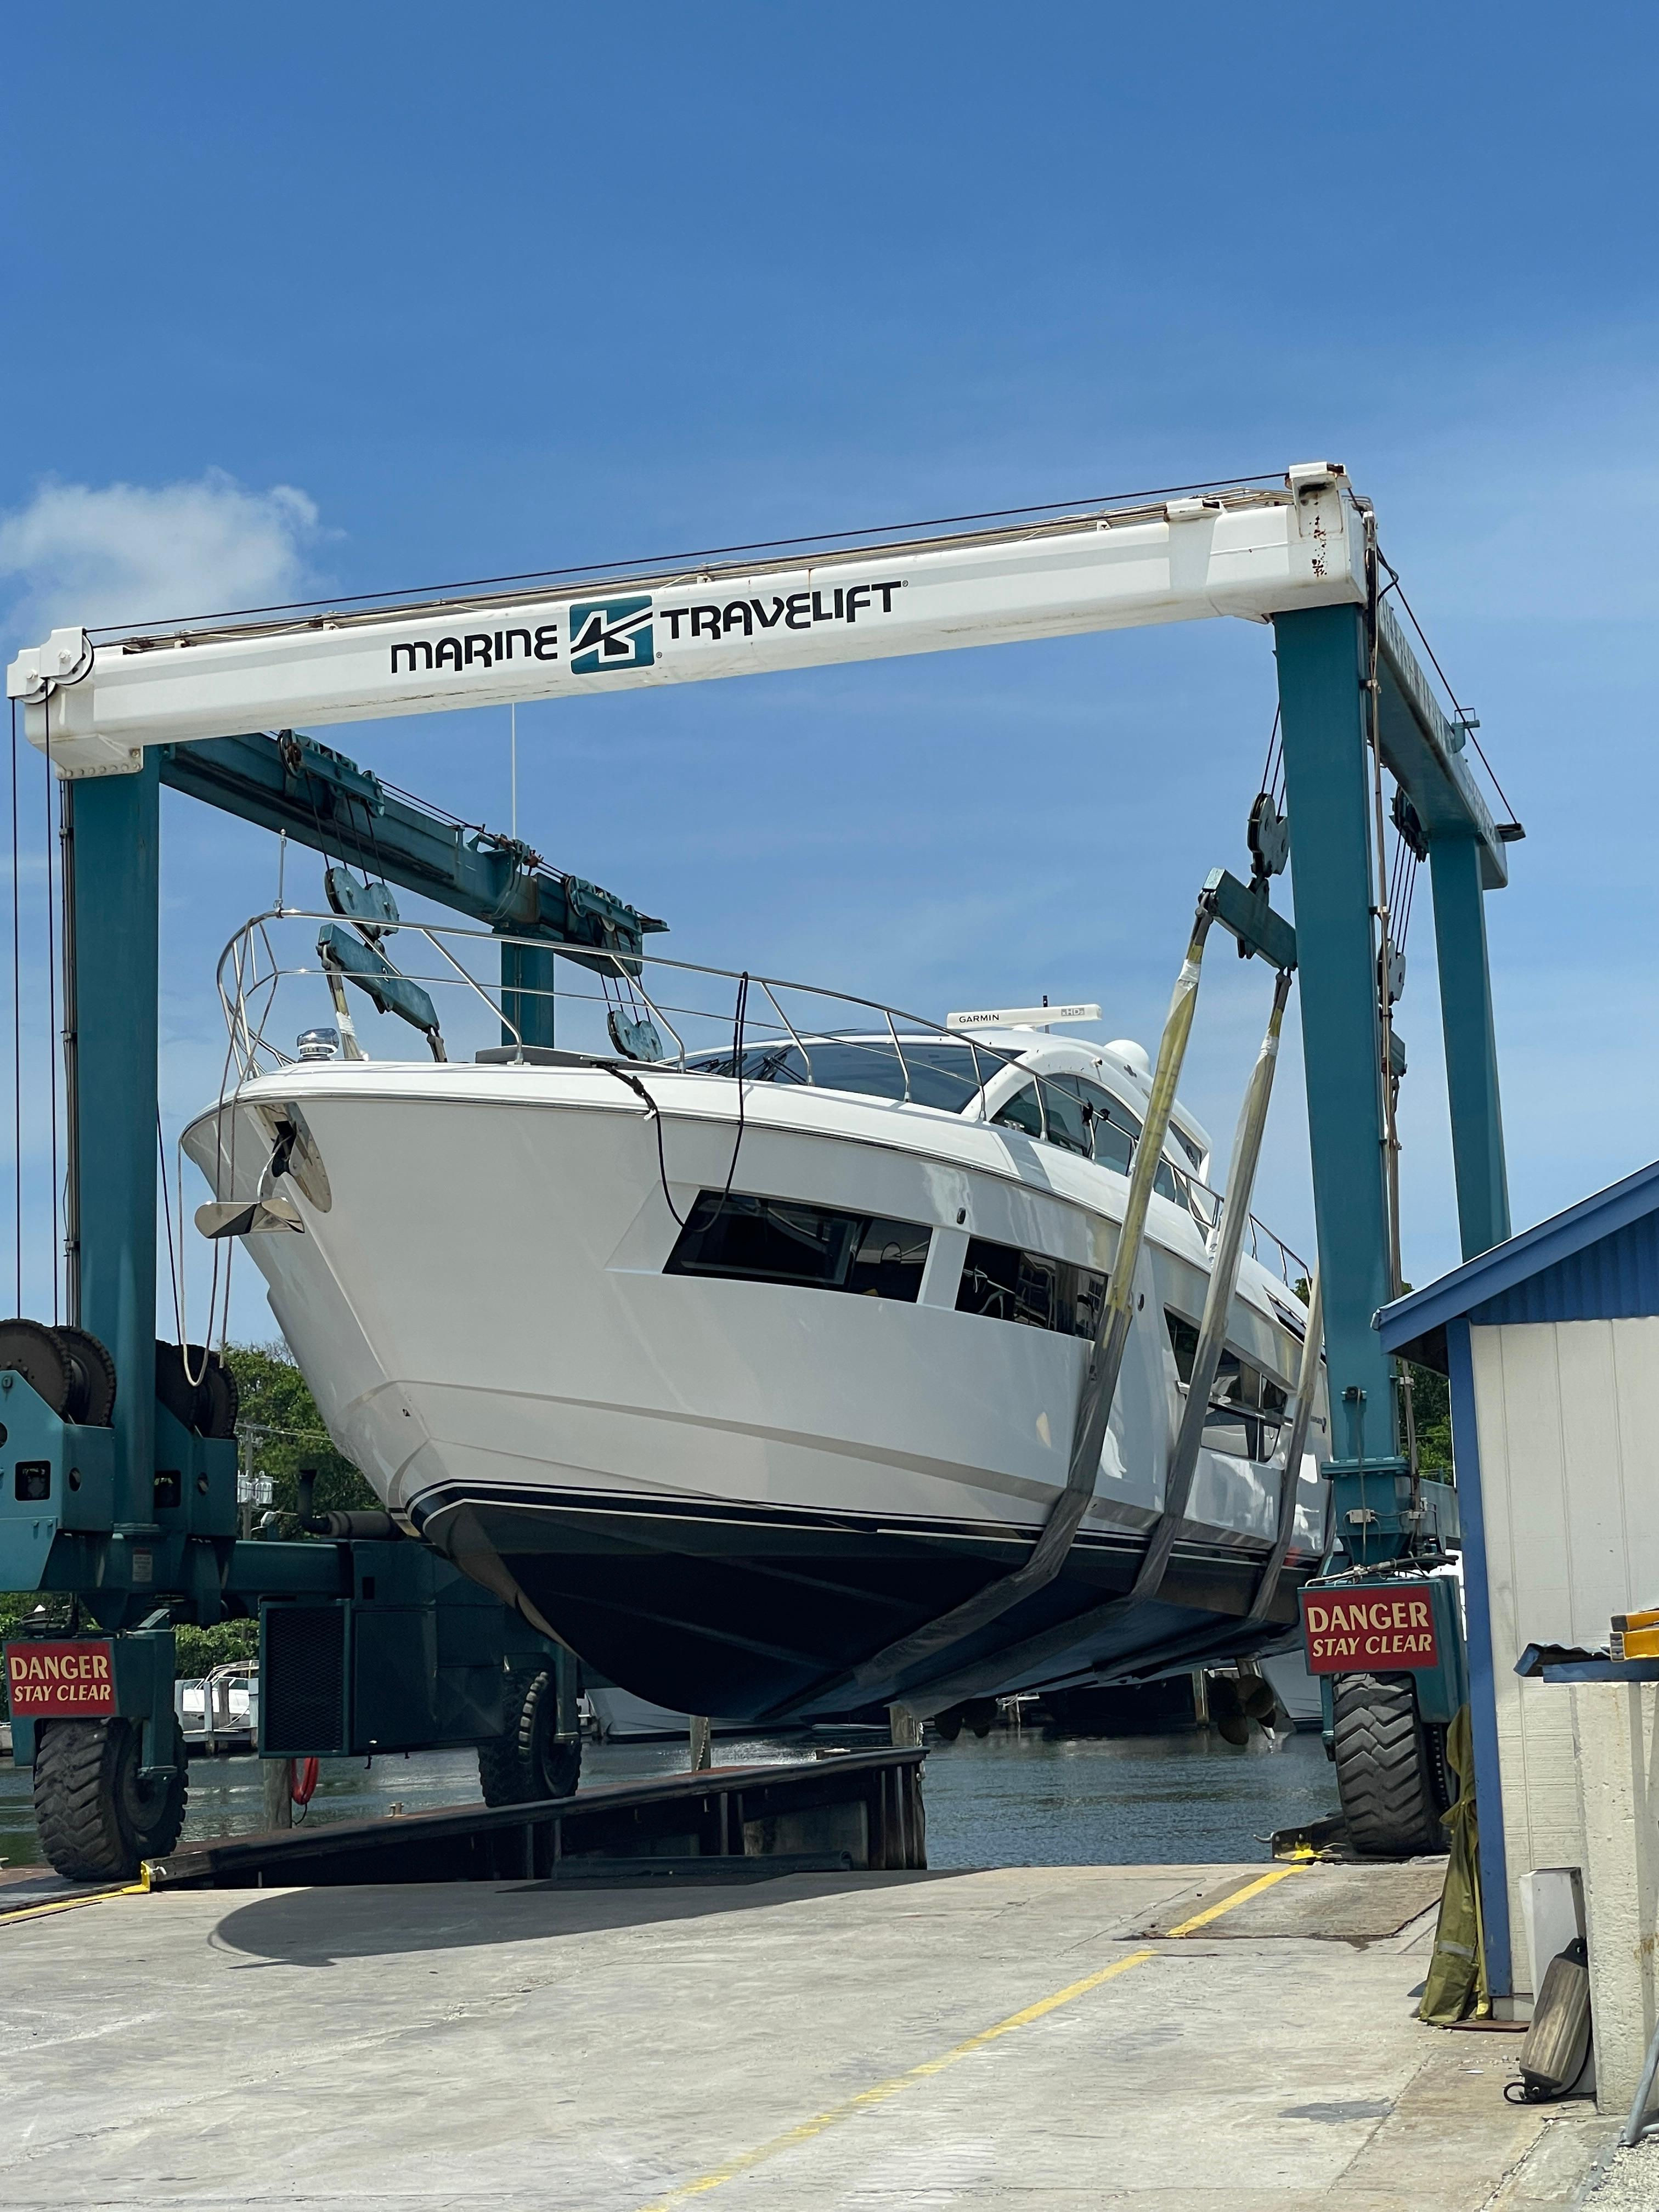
1597, 1261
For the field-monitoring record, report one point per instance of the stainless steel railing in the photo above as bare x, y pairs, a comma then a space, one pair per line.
700, 1019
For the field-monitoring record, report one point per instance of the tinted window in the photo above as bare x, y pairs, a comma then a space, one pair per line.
1247, 1407
1067, 1121
942, 1075
1022, 1111
1183, 1342
776, 1240
1113, 1129
1002, 1283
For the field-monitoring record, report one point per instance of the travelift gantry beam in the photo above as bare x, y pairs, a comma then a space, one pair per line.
1299, 555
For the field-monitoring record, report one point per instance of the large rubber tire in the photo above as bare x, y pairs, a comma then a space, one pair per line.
530, 1760
1388, 1777
97, 1818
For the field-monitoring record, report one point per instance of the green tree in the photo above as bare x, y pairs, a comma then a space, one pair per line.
1431, 1407
281, 1433
199, 1651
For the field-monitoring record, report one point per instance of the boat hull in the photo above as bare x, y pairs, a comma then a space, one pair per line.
729, 1495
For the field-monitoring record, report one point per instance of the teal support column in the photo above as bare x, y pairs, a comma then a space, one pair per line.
115, 886
1477, 1119
527, 993
1322, 708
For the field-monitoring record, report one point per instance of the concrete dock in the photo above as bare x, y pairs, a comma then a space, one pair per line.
1154, 2036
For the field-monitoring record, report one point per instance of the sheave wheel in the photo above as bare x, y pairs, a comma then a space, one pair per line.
1387, 1776
91, 1376
96, 1816
529, 1760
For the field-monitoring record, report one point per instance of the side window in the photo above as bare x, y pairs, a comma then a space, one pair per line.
748, 1238
1002, 1283
1022, 1111
1006, 1284
1112, 1127
1247, 1407
1163, 1183
1274, 1402
1188, 1146
1067, 1124
1183, 1342
1232, 1425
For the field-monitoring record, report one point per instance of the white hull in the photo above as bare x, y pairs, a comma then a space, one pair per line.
726, 1494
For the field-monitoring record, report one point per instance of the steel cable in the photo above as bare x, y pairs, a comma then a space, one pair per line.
707, 553
52, 1038
16, 1032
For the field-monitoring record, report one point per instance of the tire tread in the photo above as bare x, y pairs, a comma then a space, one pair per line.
1383, 1772
507, 1764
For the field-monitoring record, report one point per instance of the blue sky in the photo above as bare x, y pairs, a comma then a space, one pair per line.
355, 298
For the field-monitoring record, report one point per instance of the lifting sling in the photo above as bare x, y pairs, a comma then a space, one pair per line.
1252, 921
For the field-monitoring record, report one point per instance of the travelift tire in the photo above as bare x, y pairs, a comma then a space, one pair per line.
1387, 1776
97, 1817
530, 1760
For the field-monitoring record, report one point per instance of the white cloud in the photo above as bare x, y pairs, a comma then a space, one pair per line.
133, 554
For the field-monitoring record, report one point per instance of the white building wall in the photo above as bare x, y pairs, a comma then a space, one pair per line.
1568, 1420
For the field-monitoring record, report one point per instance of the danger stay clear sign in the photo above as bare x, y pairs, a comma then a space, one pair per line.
60, 1681
1353, 1631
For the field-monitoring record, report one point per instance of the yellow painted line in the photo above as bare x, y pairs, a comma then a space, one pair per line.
139, 1888
747, 2160
1250, 1889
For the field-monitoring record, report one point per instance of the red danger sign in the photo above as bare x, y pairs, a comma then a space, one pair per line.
60, 1681
1360, 1630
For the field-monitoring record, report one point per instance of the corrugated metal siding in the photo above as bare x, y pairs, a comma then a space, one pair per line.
1616, 1279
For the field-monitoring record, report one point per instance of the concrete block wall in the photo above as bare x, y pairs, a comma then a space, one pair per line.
1615, 1727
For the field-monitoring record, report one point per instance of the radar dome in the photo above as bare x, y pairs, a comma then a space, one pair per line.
1133, 1057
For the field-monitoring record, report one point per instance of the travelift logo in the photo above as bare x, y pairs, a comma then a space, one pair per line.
610, 635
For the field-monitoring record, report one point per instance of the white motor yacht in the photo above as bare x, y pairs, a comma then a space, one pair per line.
735, 1365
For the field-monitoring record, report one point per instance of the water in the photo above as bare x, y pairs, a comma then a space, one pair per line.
1031, 1799
1013, 1798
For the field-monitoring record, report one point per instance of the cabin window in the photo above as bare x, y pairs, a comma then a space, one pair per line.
943, 1075
778, 1240
1022, 1111
1068, 1120
1247, 1406
1114, 1129
1002, 1283
1188, 1147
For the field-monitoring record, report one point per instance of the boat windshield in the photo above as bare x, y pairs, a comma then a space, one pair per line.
940, 1075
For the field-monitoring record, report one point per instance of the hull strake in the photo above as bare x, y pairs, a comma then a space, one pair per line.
728, 1483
